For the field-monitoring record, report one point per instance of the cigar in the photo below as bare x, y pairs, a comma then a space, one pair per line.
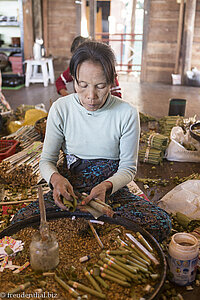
67, 287
108, 277
113, 274
84, 288
92, 280
96, 235
142, 249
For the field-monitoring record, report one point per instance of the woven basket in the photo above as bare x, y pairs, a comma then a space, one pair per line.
40, 127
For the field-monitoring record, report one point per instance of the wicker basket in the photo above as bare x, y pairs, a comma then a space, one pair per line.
7, 148
40, 127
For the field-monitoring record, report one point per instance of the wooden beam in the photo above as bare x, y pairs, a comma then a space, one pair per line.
28, 29
37, 12
134, 2
143, 76
45, 25
179, 36
93, 9
190, 11
78, 17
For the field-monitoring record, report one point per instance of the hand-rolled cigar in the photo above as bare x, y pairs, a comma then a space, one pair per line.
122, 259
95, 271
113, 270
108, 277
92, 280
119, 268
48, 274
118, 252
124, 245
19, 288
140, 253
84, 288
96, 235
127, 267
144, 242
102, 208
99, 206
139, 267
102, 282
136, 256
142, 249
68, 288
84, 258
136, 261
109, 272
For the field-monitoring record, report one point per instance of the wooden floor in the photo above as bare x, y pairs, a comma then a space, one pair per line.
150, 98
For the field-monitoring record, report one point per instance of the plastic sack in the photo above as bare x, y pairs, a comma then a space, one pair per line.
41, 106
31, 116
184, 198
177, 152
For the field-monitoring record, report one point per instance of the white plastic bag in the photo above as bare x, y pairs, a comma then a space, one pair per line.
41, 106
177, 152
184, 198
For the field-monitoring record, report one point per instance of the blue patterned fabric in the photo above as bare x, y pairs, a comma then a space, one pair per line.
88, 173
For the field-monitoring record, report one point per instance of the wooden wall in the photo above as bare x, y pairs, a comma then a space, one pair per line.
196, 39
59, 23
160, 40
28, 29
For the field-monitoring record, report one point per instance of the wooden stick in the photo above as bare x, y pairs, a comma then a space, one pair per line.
16, 202
96, 235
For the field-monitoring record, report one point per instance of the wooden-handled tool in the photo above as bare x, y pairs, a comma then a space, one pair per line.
44, 227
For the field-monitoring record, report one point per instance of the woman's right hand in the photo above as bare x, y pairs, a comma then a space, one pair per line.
61, 186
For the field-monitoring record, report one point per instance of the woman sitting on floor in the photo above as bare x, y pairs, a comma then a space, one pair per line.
100, 136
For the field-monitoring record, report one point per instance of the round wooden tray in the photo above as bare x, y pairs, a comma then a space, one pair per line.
129, 225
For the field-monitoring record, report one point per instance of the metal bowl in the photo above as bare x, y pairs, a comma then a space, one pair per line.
34, 221
193, 133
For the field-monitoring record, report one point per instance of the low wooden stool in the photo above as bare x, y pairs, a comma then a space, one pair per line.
47, 71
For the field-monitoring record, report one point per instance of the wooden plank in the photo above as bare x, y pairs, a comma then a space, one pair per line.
78, 18
61, 28
45, 25
37, 20
161, 57
154, 68
166, 15
164, 6
134, 3
161, 48
146, 29
190, 11
179, 36
160, 64
93, 9
163, 31
28, 29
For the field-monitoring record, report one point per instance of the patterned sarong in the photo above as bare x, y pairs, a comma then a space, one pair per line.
84, 175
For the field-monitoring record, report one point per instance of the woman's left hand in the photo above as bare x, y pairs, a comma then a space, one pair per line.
99, 191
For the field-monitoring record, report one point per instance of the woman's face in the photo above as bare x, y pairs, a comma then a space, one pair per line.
91, 87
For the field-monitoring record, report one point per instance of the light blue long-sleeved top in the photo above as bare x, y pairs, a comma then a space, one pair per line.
111, 132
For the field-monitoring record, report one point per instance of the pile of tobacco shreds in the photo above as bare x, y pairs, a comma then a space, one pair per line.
76, 240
